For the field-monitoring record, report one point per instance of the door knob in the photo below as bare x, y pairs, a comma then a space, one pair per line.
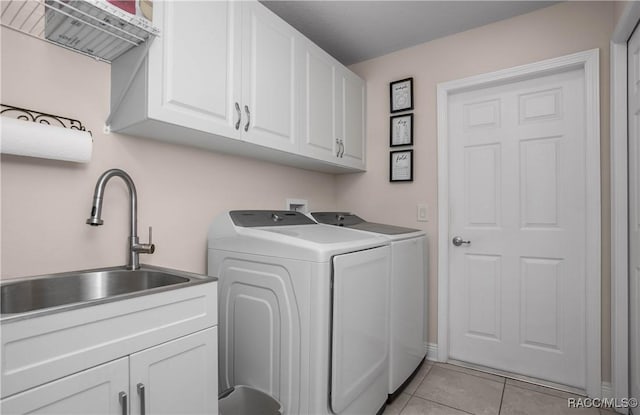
457, 241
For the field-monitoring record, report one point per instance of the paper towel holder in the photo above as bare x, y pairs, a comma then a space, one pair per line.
42, 118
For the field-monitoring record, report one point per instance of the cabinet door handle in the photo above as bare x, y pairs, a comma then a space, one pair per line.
338, 150
239, 116
140, 387
122, 397
341, 148
246, 126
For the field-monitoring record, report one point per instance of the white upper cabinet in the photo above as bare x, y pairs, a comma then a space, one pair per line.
318, 127
351, 118
269, 72
227, 73
194, 67
333, 110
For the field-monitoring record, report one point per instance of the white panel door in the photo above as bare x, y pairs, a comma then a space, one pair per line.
360, 329
634, 212
517, 193
269, 103
93, 391
194, 67
177, 377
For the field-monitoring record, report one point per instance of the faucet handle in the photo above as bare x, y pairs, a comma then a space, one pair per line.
142, 248
150, 244
148, 248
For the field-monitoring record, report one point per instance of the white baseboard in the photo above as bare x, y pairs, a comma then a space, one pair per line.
607, 390
431, 351
608, 393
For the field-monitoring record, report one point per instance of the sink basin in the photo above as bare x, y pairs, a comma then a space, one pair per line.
26, 295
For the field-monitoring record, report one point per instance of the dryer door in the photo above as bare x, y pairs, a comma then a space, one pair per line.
360, 325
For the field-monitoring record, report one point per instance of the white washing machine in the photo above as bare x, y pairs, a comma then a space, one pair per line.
407, 295
303, 311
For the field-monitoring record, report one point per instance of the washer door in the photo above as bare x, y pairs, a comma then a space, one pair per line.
360, 329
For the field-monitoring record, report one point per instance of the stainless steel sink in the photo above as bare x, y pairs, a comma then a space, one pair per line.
53, 292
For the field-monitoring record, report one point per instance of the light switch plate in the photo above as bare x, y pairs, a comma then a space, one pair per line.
423, 212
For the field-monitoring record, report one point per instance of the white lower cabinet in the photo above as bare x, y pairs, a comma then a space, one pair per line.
176, 377
92, 391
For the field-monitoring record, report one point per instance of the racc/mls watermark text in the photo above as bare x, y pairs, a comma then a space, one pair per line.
607, 403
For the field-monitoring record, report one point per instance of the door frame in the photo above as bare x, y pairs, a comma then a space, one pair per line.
620, 203
588, 61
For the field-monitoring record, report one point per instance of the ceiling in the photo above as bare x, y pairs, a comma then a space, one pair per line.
354, 31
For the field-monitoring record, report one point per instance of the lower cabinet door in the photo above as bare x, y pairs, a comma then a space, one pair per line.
177, 377
100, 390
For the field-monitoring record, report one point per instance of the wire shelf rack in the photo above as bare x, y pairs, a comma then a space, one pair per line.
92, 27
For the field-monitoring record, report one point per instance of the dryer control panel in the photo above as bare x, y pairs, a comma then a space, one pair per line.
259, 218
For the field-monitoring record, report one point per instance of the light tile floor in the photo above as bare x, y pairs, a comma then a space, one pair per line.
442, 389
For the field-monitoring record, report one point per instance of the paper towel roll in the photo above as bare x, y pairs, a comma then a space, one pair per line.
26, 138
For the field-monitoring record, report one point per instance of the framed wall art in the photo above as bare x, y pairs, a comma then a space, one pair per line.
401, 93
401, 166
401, 130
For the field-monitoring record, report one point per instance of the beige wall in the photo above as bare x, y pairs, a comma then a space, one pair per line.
180, 189
550, 32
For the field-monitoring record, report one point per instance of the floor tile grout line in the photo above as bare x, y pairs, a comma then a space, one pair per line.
516, 378
422, 380
477, 376
405, 405
544, 393
504, 387
503, 381
442, 404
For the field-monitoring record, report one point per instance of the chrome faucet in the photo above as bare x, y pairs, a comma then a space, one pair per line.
135, 248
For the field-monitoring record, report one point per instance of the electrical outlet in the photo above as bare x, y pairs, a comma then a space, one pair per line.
423, 212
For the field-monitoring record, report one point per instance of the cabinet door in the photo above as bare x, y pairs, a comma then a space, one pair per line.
269, 74
351, 118
318, 94
177, 377
93, 391
194, 66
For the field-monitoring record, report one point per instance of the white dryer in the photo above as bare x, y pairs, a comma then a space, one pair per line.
407, 294
303, 311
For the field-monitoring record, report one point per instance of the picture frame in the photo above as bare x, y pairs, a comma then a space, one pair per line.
401, 166
401, 130
401, 95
